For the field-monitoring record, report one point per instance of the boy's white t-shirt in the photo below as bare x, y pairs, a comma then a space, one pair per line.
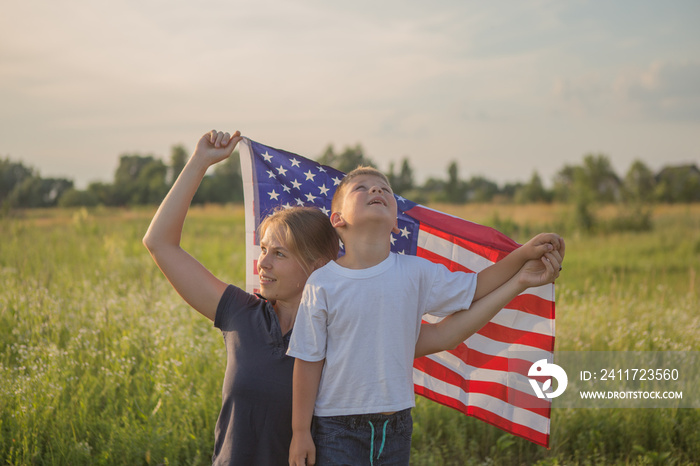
365, 323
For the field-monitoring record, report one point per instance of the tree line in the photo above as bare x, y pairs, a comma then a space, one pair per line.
145, 179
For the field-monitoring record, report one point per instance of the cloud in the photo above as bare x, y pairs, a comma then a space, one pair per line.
664, 90
661, 91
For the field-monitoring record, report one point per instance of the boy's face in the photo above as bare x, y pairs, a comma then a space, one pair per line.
368, 198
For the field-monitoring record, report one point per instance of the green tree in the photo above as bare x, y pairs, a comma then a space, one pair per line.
39, 192
480, 189
678, 184
77, 198
403, 182
639, 184
12, 174
601, 177
564, 183
594, 181
178, 159
571, 184
224, 185
105, 193
532, 191
348, 160
454, 188
139, 180
510, 190
433, 190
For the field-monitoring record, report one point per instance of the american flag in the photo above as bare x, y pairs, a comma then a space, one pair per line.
487, 375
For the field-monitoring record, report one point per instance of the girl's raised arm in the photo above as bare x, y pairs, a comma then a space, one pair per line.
197, 286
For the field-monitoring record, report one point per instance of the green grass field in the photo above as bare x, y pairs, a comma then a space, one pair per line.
102, 363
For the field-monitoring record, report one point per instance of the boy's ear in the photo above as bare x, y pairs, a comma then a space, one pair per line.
337, 220
395, 230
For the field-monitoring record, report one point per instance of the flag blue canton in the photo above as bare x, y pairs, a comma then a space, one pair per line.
284, 179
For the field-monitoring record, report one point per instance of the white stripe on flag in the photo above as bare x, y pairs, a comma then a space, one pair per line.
452, 251
471, 260
514, 319
454, 363
512, 380
499, 407
252, 251
491, 347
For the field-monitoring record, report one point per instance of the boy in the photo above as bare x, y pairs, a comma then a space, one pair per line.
357, 325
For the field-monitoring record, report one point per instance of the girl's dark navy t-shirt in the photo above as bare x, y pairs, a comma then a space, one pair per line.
255, 422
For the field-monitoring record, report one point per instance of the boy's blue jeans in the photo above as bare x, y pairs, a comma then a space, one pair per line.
363, 439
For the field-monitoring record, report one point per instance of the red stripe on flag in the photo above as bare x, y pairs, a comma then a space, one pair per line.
488, 238
504, 393
494, 255
525, 302
476, 358
514, 336
533, 304
439, 259
520, 430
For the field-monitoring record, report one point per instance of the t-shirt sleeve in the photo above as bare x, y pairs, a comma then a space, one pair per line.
308, 341
450, 291
232, 300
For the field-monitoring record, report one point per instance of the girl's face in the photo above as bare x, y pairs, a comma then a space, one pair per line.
282, 277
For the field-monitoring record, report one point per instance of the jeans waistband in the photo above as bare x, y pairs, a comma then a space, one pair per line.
354, 420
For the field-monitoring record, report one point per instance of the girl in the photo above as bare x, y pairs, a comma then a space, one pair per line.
254, 424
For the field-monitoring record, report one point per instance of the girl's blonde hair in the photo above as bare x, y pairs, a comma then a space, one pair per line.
307, 233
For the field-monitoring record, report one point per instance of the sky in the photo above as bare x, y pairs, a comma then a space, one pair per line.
505, 89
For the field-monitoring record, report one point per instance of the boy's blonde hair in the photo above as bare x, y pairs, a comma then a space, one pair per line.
307, 233
337, 201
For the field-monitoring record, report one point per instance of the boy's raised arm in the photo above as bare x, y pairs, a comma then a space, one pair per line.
305, 381
454, 329
497, 274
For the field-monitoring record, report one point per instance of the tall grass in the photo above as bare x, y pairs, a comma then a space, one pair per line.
618, 292
102, 363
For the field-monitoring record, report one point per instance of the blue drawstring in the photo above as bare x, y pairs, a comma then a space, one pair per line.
383, 439
371, 445
381, 447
